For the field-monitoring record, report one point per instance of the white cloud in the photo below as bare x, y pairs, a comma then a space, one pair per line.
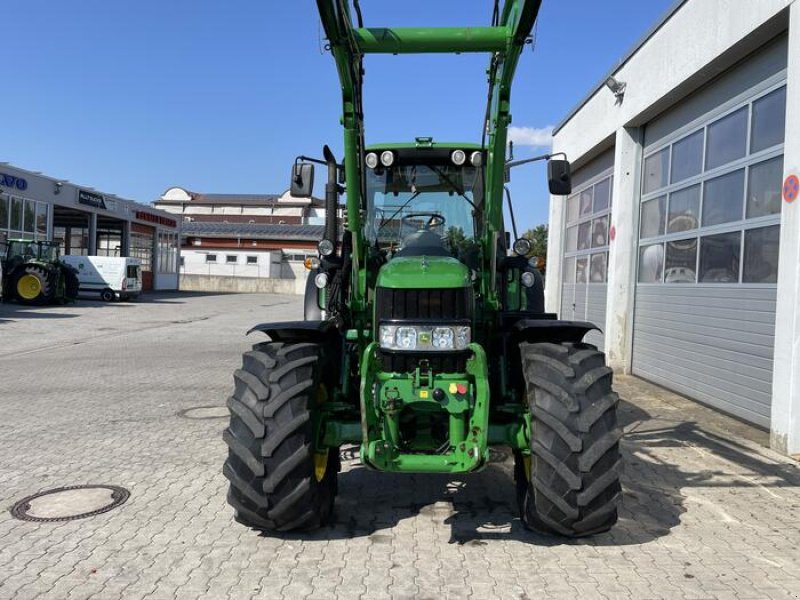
531, 136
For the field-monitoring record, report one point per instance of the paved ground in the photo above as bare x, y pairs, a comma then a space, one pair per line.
94, 393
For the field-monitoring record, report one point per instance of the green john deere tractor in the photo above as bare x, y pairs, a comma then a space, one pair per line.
425, 337
33, 274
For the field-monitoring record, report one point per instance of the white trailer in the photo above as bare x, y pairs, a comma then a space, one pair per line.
110, 277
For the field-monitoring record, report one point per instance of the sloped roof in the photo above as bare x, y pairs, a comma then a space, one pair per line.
238, 199
253, 231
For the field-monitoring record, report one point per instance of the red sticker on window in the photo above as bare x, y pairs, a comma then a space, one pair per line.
612, 233
791, 188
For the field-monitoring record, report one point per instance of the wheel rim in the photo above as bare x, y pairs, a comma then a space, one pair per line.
29, 287
321, 456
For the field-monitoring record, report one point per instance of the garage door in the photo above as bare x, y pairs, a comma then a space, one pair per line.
704, 318
584, 287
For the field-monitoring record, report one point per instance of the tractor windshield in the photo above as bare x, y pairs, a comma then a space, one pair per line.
23, 248
409, 203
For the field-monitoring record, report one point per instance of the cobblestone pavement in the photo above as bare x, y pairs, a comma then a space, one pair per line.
93, 393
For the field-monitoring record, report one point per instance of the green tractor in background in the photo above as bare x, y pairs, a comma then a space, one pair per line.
425, 339
33, 273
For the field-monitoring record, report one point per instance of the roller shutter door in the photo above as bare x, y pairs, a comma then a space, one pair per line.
704, 317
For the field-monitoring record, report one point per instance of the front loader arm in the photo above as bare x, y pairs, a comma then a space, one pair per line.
504, 39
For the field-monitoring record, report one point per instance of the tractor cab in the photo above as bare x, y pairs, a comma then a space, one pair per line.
23, 250
423, 200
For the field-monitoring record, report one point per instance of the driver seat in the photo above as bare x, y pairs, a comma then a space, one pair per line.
422, 243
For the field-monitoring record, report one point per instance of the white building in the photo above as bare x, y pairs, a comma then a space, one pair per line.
677, 240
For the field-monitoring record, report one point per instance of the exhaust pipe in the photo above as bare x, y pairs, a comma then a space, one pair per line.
331, 198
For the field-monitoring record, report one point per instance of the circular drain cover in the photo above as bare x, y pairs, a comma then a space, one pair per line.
205, 412
69, 503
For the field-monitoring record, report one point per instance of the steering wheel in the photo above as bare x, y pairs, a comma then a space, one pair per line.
435, 220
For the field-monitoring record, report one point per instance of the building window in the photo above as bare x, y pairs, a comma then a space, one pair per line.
295, 257
167, 252
23, 218
718, 218
230, 259
252, 260
141, 247
587, 233
211, 258
4, 212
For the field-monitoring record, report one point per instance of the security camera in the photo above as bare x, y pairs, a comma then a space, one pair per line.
617, 87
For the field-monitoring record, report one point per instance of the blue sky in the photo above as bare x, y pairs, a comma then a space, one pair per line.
134, 97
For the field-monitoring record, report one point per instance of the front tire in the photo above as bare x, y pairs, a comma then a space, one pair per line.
277, 480
571, 486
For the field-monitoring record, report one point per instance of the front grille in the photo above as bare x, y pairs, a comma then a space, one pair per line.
408, 305
412, 305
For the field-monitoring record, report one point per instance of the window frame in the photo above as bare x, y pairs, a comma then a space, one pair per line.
747, 162
607, 176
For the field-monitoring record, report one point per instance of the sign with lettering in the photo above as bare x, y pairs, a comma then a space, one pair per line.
151, 218
13, 182
91, 199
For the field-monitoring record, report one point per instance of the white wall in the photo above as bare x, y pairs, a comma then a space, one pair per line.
270, 265
195, 263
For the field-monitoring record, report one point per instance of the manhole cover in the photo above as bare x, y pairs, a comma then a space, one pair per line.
69, 503
205, 412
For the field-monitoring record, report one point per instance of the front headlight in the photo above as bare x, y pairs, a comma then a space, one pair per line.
406, 338
424, 338
443, 338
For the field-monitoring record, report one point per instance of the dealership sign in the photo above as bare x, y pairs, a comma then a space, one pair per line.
146, 216
90, 199
13, 182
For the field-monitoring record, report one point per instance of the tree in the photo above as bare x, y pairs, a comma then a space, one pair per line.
538, 238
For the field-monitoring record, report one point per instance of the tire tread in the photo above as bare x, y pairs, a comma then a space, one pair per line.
573, 488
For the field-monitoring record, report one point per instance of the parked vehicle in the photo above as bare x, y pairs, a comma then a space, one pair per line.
425, 339
109, 277
33, 273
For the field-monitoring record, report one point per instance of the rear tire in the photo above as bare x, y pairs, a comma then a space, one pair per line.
45, 283
571, 486
277, 481
107, 295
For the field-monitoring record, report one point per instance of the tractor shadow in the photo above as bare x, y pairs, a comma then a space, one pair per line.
481, 507
11, 312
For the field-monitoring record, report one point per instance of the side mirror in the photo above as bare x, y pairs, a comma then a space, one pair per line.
559, 177
302, 180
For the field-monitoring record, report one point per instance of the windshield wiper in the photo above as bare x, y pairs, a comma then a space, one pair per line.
453, 186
